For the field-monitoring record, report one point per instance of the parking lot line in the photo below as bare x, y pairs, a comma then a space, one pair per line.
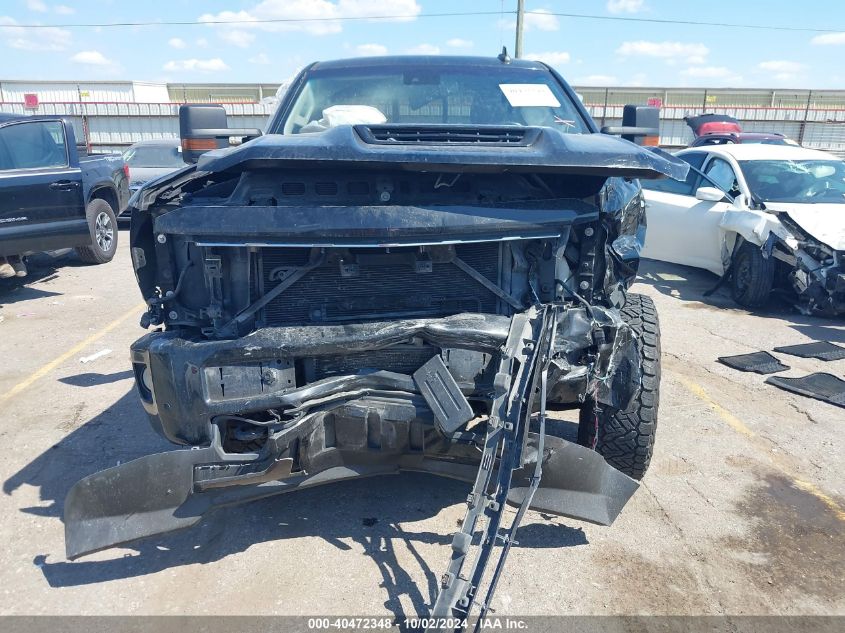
739, 426
46, 369
734, 422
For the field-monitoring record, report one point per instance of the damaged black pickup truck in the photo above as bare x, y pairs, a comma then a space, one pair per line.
417, 258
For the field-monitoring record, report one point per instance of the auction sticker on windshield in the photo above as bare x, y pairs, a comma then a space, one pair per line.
528, 95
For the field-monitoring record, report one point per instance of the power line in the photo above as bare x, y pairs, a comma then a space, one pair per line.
578, 16
620, 18
256, 21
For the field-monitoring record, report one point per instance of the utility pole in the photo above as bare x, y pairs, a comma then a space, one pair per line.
520, 20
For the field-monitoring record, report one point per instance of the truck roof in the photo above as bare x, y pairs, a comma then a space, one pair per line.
9, 116
427, 60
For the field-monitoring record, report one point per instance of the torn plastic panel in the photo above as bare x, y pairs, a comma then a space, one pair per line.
380, 425
814, 270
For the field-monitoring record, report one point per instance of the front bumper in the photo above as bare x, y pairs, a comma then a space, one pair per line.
185, 385
372, 423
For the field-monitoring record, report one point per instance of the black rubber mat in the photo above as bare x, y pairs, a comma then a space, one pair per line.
758, 362
826, 387
818, 349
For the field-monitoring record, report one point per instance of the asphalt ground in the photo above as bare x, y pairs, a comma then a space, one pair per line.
742, 511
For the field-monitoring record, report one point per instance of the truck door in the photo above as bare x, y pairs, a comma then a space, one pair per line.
41, 199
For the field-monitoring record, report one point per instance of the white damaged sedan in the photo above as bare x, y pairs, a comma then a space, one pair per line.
760, 216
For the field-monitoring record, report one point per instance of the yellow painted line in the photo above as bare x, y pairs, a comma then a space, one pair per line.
73, 351
834, 507
734, 422
740, 427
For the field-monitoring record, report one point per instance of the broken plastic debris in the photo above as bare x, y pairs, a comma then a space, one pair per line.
100, 354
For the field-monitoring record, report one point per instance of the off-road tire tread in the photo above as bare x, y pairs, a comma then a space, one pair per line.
626, 438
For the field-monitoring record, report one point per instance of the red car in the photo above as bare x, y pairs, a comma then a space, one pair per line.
721, 129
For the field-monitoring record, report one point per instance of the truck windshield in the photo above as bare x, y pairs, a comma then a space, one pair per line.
475, 95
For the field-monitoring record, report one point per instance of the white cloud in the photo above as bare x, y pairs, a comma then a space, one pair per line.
781, 66
237, 37
177, 42
91, 58
457, 42
553, 58
691, 52
424, 49
828, 39
542, 20
261, 58
371, 50
197, 65
326, 14
718, 73
637, 79
48, 38
36, 5
624, 6
596, 80
202, 42
63, 9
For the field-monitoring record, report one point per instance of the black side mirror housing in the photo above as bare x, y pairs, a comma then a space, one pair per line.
204, 127
640, 125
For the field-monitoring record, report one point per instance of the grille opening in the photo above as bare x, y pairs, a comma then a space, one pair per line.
378, 289
293, 188
325, 188
447, 134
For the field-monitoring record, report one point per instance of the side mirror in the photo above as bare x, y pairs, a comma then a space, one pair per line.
205, 127
640, 125
709, 194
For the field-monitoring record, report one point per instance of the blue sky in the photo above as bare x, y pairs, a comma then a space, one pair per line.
587, 52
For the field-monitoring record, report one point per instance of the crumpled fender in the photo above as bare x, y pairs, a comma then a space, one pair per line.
753, 225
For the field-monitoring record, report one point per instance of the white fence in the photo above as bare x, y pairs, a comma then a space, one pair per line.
111, 126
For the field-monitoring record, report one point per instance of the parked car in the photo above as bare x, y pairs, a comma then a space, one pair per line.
766, 216
420, 254
148, 160
721, 129
729, 138
51, 197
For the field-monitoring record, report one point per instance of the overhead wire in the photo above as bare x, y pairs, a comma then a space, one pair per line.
501, 12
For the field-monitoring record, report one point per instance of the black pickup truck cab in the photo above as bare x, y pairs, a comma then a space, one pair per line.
51, 197
418, 257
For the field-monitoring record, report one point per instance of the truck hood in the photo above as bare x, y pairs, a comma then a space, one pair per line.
824, 222
451, 148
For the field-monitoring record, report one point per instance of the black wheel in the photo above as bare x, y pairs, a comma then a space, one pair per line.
626, 438
752, 277
103, 226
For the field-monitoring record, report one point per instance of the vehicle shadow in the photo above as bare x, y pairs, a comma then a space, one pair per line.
91, 379
42, 268
690, 285
377, 516
685, 283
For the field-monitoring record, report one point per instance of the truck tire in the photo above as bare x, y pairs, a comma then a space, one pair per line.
103, 226
753, 276
625, 438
